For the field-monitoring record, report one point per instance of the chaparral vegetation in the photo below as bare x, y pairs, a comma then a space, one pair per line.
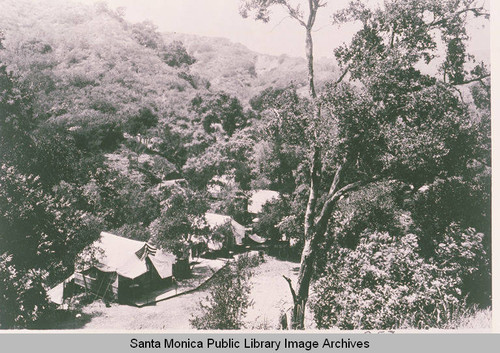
370, 169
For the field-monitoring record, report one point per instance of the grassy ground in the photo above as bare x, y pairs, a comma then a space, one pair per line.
472, 319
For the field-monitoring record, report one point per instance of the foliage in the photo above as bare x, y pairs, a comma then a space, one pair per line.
375, 208
471, 318
40, 235
401, 33
224, 234
102, 196
424, 140
232, 201
40, 230
407, 143
175, 54
225, 306
181, 217
146, 34
23, 298
85, 81
450, 200
97, 136
141, 122
481, 94
136, 231
219, 108
282, 137
272, 214
16, 121
224, 157
172, 146
384, 283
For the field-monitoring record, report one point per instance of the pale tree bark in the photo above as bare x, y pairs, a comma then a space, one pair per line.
301, 292
316, 217
314, 224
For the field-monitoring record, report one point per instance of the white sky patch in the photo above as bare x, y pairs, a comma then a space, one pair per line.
283, 35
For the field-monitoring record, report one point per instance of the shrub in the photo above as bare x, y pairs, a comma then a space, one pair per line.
384, 283
23, 298
176, 55
272, 214
228, 299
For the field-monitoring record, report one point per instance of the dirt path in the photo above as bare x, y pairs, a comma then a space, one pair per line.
270, 295
172, 314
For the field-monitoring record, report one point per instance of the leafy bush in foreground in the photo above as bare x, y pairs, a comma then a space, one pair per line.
23, 298
384, 283
225, 306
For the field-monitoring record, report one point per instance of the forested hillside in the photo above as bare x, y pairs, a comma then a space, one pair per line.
231, 67
97, 113
107, 125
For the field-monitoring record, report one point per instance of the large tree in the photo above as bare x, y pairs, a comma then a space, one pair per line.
395, 122
41, 232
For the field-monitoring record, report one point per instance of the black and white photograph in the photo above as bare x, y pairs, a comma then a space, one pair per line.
253, 165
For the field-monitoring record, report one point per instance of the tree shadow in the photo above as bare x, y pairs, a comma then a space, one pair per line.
67, 320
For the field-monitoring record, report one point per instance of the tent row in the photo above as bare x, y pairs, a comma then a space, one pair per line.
122, 269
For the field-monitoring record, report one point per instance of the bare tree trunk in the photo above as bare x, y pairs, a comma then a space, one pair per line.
301, 293
310, 63
308, 253
316, 218
315, 223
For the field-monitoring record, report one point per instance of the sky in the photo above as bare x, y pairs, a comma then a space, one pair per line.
283, 35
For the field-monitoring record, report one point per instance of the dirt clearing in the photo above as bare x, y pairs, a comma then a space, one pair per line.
270, 295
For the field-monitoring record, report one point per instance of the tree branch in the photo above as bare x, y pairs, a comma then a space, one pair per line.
475, 79
335, 181
477, 11
459, 93
326, 211
346, 70
294, 13
313, 10
313, 191
294, 295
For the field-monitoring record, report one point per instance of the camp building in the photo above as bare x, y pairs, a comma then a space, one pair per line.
259, 198
123, 269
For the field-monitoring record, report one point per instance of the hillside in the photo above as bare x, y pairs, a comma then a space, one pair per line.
88, 56
233, 68
107, 65
384, 179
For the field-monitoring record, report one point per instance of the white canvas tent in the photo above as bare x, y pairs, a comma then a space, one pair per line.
259, 198
56, 294
257, 239
118, 264
215, 220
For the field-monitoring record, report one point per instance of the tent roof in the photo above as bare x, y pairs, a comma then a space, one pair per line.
173, 182
56, 294
256, 238
163, 261
259, 198
127, 257
215, 220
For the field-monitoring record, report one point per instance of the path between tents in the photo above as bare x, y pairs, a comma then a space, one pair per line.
270, 295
